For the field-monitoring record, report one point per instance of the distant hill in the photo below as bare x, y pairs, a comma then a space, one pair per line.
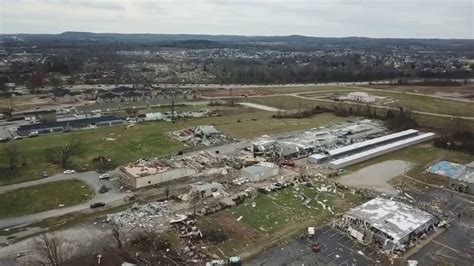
202, 40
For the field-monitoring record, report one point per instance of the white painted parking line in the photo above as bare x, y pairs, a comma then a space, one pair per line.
335, 233
344, 263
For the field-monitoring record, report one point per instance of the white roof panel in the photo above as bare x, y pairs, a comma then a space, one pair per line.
381, 148
371, 142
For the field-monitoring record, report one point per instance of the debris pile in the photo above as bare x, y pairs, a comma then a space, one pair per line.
139, 215
200, 136
167, 116
240, 181
191, 236
275, 186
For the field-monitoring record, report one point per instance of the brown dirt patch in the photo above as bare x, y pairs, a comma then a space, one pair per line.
227, 222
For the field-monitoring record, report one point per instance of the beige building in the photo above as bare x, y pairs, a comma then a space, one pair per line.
363, 97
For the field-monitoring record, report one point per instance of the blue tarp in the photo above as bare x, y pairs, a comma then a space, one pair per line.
448, 169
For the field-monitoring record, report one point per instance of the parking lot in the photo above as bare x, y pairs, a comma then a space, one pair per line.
456, 244
336, 249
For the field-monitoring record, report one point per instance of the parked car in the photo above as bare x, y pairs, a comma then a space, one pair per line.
97, 205
45, 174
33, 134
104, 176
69, 172
17, 137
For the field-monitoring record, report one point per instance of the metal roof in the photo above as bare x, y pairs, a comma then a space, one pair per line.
371, 142
373, 151
258, 168
396, 219
318, 156
70, 123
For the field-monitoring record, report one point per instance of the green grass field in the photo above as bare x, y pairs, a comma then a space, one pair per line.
43, 197
417, 102
294, 103
164, 108
429, 104
142, 141
277, 210
276, 216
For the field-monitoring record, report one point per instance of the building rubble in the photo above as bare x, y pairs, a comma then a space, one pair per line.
390, 224
145, 173
200, 160
167, 116
191, 238
317, 140
142, 216
200, 136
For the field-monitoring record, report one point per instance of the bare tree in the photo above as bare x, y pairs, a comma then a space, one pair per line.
167, 191
194, 198
131, 112
13, 157
63, 154
52, 248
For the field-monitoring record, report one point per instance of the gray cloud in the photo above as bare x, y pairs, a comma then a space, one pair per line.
371, 18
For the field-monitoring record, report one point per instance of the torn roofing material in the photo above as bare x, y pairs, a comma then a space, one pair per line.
396, 219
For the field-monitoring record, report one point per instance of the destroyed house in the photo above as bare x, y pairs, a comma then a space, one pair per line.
390, 224
206, 130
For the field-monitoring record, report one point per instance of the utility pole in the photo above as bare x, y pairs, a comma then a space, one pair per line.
172, 106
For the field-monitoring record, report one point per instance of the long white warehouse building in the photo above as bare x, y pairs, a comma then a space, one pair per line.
357, 147
362, 156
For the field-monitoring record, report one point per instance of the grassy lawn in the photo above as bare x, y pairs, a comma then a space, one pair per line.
43, 197
128, 144
278, 210
429, 104
260, 124
275, 217
164, 108
293, 103
417, 102
142, 141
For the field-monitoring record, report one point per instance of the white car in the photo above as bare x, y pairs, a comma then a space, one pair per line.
104, 176
69, 172
33, 134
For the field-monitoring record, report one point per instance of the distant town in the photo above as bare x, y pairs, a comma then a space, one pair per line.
151, 149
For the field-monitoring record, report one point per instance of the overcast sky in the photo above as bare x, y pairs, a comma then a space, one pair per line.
332, 18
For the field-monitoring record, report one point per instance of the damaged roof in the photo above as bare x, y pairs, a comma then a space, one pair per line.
396, 219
